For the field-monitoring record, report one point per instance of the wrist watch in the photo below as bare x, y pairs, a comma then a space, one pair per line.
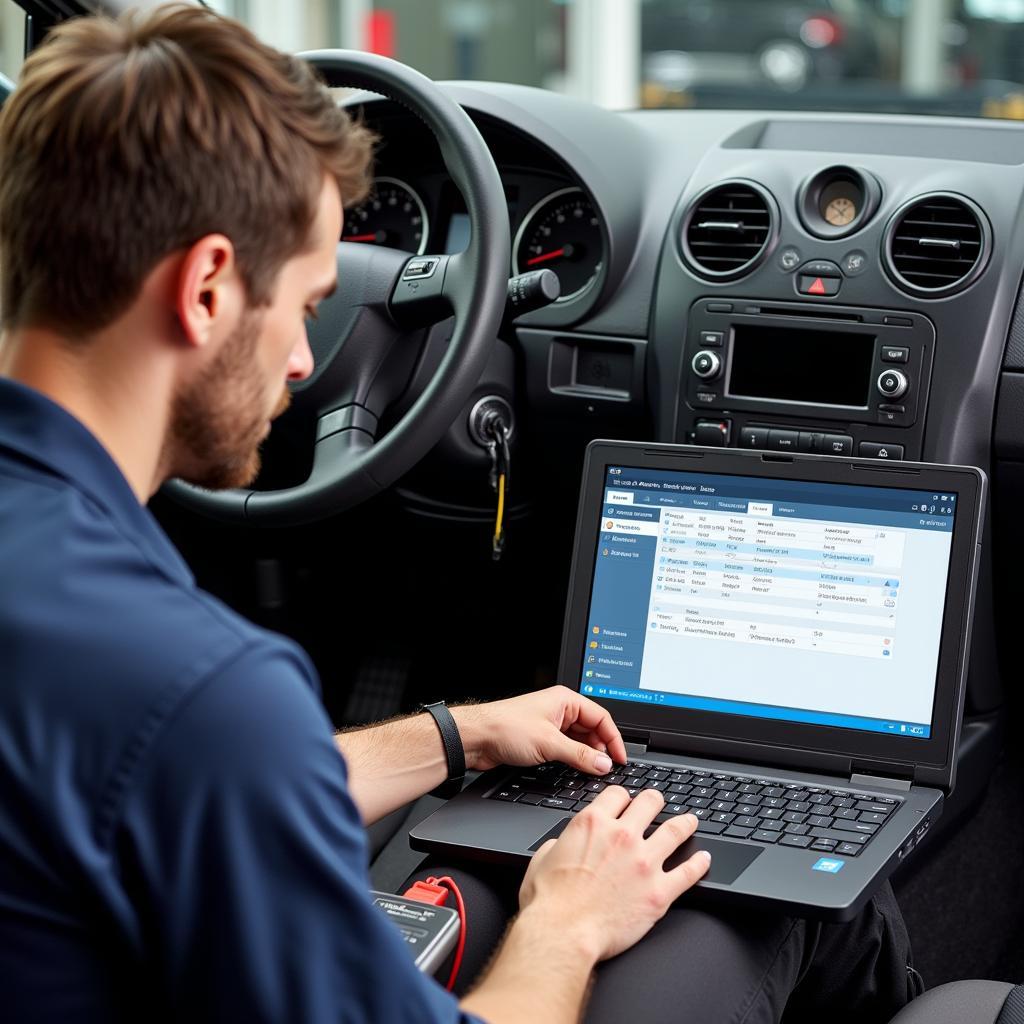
453, 749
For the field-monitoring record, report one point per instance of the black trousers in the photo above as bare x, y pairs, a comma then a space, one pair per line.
702, 966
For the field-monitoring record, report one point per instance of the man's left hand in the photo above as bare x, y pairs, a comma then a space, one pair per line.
556, 724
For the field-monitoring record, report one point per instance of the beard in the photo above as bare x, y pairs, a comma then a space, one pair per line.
219, 421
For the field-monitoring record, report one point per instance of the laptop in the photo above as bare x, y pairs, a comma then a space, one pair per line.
782, 640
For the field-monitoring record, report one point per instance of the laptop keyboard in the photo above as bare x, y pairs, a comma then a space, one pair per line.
740, 806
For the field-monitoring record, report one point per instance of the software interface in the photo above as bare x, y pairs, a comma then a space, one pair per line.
806, 602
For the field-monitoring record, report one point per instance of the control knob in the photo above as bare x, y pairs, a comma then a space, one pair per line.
706, 365
893, 383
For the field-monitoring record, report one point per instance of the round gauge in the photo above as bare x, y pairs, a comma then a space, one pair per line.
840, 212
563, 233
393, 215
838, 201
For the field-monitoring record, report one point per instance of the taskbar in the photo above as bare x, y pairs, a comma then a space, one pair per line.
917, 730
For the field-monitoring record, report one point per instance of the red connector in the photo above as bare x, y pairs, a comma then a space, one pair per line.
435, 891
427, 892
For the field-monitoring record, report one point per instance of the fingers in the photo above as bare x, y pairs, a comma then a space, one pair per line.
579, 755
688, 874
612, 801
671, 834
643, 809
594, 718
542, 851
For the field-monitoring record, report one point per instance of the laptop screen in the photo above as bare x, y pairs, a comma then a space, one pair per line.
803, 602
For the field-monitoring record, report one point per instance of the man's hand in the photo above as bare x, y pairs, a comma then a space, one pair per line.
603, 880
587, 896
556, 724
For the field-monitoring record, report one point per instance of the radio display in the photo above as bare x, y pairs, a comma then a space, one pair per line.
785, 364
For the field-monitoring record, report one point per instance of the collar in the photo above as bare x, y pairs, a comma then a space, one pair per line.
39, 430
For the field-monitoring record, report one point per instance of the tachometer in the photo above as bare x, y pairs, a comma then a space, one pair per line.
563, 233
393, 215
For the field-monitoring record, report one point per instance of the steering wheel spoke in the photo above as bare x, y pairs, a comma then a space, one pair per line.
420, 296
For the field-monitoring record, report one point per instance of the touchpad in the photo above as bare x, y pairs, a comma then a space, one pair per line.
552, 833
728, 860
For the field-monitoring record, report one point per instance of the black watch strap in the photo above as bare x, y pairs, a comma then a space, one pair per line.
453, 749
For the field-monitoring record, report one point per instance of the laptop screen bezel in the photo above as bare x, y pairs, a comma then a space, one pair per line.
797, 743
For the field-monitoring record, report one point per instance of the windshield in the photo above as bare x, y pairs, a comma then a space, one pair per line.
961, 57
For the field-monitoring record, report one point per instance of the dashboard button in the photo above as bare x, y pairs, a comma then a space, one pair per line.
877, 450
786, 440
754, 437
814, 284
713, 339
821, 268
838, 444
706, 365
719, 307
713, 433
891, 413
854, 263
892, 354
789, 258
893, 383
898, 321
707, 397
812, 441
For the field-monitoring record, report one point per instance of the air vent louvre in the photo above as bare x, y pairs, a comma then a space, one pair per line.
937, 245
728, 230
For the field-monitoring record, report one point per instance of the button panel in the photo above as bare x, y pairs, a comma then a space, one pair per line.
900, 358
787, 439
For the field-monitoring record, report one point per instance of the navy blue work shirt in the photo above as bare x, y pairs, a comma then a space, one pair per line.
176, 836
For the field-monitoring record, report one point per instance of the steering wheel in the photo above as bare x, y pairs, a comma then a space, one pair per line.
365, 340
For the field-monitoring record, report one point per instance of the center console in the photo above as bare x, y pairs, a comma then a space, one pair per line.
781, 375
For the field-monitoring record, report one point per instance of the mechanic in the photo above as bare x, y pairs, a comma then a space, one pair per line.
181, 834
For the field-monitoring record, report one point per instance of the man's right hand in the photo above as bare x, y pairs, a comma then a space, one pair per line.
602, 881
588, 895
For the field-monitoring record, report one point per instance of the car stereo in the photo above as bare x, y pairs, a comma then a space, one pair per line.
789, 362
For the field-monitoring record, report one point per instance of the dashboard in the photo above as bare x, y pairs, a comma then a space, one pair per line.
778, 281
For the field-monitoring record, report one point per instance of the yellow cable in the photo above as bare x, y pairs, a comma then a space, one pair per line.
501, 510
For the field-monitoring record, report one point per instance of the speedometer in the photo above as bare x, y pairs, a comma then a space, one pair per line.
563, 233
394, 215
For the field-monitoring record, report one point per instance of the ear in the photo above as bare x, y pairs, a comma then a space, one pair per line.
207, 289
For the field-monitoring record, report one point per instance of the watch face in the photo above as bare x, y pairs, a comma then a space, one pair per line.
840, 212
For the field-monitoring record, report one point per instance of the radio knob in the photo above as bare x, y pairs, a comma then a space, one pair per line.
706, 365
893, 383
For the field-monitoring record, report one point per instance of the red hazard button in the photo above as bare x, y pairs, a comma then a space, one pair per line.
811, 284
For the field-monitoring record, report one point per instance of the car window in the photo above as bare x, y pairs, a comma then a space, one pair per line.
12, 42
959, 57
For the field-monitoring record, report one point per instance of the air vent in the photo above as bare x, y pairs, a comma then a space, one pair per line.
729, 230
937, 245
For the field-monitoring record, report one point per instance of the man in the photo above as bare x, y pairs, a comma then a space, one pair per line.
179, 837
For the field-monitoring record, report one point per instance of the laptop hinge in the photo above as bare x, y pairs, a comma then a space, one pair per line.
635, 747
880, 781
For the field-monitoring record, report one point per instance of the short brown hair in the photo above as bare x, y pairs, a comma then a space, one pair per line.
129, 139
